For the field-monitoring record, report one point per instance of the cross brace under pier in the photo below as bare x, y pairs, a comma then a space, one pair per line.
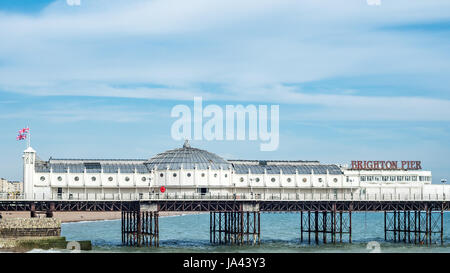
235, 227
140, 228
416, 227
325, 226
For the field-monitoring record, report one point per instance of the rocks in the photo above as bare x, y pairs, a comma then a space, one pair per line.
26, 244
38, 227
30, 223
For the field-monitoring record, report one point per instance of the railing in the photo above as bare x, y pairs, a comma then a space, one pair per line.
221, 196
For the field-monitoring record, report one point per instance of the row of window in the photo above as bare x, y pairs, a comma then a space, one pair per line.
273, 179
189, 175
399, 178
289, 180
93, 178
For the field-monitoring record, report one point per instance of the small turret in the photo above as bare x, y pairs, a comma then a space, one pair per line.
186, 144
29, 158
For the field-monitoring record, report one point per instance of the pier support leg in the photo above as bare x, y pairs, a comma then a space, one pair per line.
49, 212
236, 227
399, 225
326, 225
32, 210
140, 225
301, 226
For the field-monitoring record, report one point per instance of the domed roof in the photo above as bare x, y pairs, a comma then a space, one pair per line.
187, 158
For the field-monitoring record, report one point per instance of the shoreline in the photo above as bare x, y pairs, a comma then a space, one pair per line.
88, 216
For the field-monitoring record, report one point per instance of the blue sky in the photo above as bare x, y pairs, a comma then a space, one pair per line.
353, 81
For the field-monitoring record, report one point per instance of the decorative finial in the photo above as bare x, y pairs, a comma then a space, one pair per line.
186, 144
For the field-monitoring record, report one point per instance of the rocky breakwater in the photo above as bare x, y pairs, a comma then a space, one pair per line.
22, 234
29, 227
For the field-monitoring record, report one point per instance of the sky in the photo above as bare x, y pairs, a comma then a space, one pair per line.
353, 81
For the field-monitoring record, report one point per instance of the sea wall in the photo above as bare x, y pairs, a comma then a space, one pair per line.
29, 227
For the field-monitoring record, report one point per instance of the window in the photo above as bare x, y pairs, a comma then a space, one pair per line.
257, 179
59, 178
174, 174
128, 179
188, 174
289, 180
320, 180
273, 179
202, 191
76, 178
144, 179
161, 175
93, 178
110, 178
226, 175
215, 175
203, 174
335, 180
305, 180
241, 179
42, 178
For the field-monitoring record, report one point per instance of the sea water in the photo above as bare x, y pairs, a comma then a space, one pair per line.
280, 232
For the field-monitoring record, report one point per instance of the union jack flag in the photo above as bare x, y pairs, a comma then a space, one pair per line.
23, 133
21, 137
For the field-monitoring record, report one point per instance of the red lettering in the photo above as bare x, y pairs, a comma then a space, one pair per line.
403, 164
385, 165
394, 165
375, 165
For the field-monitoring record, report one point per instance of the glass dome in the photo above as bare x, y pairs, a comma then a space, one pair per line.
187, 158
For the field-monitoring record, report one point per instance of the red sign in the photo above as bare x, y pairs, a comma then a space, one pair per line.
162, 189
386, 165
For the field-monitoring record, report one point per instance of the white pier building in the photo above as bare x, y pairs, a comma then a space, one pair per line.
189, 172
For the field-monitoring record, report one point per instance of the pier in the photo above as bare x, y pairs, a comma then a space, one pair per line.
236, 220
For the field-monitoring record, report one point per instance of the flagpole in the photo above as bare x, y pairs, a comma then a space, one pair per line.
29, 136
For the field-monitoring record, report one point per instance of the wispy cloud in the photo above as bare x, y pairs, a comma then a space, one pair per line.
249, 48
76, 112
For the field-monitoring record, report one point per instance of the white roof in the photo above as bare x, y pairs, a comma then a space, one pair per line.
29, 150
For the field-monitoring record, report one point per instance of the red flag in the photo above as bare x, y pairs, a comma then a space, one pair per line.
21, 137
24, 131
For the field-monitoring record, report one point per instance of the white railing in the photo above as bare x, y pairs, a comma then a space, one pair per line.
222, 196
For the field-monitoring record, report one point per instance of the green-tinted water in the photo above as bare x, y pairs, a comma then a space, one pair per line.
280, 232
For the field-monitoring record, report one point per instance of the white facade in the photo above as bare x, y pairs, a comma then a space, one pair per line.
192, 172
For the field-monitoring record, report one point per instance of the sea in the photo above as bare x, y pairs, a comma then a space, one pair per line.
280, 232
